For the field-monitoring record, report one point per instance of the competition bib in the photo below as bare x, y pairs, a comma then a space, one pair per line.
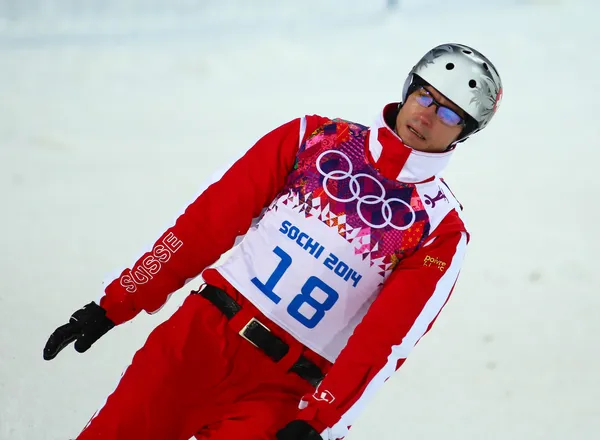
305, 277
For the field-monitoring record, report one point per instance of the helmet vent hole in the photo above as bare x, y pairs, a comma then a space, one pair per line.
468, 52
450, 66
472, 83
485, 66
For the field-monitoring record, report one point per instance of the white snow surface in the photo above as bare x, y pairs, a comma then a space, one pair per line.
108, 132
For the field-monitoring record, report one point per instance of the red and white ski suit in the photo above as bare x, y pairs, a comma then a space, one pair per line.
390, 267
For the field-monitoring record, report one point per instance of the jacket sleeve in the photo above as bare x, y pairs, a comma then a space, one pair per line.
209, 225
403, 312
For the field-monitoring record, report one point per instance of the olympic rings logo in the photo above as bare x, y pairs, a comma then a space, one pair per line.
368, 199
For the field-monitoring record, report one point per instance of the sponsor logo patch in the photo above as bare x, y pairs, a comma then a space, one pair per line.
430, 261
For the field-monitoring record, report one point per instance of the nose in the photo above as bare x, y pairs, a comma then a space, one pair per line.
427, 115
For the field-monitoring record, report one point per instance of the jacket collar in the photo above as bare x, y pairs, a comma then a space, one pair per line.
414, 166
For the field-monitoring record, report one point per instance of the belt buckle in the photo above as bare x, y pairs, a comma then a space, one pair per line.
241, 332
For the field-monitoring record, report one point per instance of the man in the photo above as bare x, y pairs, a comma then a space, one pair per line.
352, 244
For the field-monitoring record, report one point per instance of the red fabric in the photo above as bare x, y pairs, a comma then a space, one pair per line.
388, 320
392, 160
206, 230
208, 226
196, 376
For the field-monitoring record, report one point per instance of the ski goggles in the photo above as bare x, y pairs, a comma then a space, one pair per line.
447, 115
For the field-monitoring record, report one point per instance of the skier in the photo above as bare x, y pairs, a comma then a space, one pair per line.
345, 246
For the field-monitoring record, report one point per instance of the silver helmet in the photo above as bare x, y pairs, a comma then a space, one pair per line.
465, 77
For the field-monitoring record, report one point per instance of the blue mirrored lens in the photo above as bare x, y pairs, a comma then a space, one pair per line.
424, 100
448, 117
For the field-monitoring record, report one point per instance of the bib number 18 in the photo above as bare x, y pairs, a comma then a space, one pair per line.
303, 302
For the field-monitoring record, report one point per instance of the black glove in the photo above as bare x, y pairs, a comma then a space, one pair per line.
298, 430
85, 327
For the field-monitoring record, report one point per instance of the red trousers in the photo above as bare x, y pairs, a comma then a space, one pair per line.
196, 376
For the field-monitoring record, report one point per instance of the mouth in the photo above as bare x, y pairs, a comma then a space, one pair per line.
415, 132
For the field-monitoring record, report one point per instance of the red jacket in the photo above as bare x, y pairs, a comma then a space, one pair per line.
404, 310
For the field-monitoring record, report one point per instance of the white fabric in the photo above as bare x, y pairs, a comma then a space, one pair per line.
314, 250
375, 147
303, 124
438, 201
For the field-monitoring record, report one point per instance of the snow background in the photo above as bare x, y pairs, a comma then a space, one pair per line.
113, 115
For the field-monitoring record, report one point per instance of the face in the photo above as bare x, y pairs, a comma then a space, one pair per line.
421, 128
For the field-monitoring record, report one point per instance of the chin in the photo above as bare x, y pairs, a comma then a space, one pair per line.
412, 140
415, 142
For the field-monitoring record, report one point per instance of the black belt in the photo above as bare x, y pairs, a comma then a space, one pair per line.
258, 334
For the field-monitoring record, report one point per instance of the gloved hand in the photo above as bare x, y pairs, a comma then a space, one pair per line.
85, 327
298, 430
